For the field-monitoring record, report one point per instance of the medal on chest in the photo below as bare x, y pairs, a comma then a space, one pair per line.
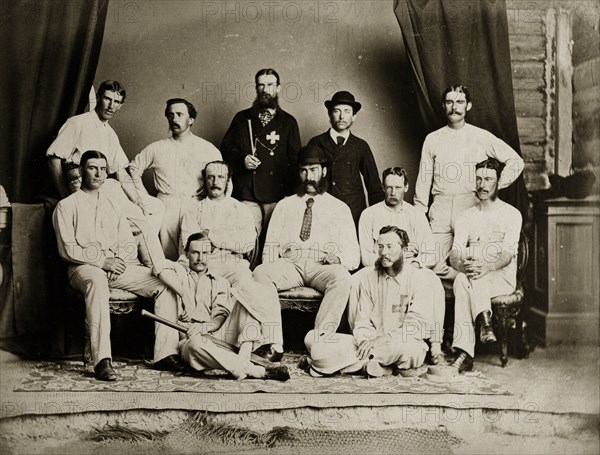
272, 140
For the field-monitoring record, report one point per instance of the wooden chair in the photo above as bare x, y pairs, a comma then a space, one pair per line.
507, 309
121, 303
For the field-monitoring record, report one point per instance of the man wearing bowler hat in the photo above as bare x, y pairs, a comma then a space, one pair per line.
349, 156
311, 241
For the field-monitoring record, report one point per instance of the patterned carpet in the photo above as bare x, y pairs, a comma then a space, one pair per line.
138, 376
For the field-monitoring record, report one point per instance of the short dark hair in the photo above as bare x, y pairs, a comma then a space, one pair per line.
400, 172
401, 233
491, 163
266, 72
89, 155
223, 163
191, 109
458, 89
192, 238
111, 86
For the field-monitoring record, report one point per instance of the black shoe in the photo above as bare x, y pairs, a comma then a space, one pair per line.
486, 331
171, 363
278, 373
463, 361
104, 370
304, 363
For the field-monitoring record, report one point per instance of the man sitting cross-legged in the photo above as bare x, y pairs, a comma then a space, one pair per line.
229, 226
390, 327
94, 236
486, 242
420, 252
240, 321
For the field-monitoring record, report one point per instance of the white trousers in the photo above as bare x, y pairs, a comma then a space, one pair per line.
442, 215
339, 351
434, 311
93, 283
201, 353
474, 296
333, 280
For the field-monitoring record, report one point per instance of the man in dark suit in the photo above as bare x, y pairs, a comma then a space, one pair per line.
349, 156
261, 145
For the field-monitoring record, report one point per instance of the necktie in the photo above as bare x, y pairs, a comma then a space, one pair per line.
340, 141
265, 117
307, 220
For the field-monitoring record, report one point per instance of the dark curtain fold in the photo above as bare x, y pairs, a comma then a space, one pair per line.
49, 55
464, 42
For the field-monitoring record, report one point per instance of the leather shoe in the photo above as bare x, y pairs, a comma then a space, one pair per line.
171, 363
104, 370
304, 363
278, 373
463, 361
486, 331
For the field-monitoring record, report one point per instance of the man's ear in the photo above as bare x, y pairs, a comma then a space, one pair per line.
469, 106
192, 120
324, 171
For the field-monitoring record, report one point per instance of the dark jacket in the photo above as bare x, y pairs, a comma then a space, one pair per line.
346, 166
276, 176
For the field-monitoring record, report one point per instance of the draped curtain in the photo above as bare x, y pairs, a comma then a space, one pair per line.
451, 42
49, 55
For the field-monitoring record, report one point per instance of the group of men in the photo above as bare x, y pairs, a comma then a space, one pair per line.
301, 208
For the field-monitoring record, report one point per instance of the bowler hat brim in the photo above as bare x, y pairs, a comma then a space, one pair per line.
330, 104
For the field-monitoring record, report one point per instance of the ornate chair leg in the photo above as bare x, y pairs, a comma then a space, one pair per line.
522, 335
502, 334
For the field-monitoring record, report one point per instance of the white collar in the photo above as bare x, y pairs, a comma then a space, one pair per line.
334, 135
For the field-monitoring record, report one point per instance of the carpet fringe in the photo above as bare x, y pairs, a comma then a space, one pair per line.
114, 433
202, 426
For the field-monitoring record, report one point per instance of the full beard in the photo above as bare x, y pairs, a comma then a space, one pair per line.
302, 187
266, 101
397, 266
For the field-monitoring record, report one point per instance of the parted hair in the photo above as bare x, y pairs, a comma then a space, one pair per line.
111, 86
491, 163
191, 109
400, 172
401, 233
458, 89
192, 238
266, 72
89, 155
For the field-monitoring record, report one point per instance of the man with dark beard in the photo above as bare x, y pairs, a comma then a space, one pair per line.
390, 326
486, 243
261, 145
350, 156
311, 241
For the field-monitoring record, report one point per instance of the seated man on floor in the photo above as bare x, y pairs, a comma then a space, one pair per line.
237, 321
420, 252
95, 238
311, 241
390, 327
486, 242
229, 226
